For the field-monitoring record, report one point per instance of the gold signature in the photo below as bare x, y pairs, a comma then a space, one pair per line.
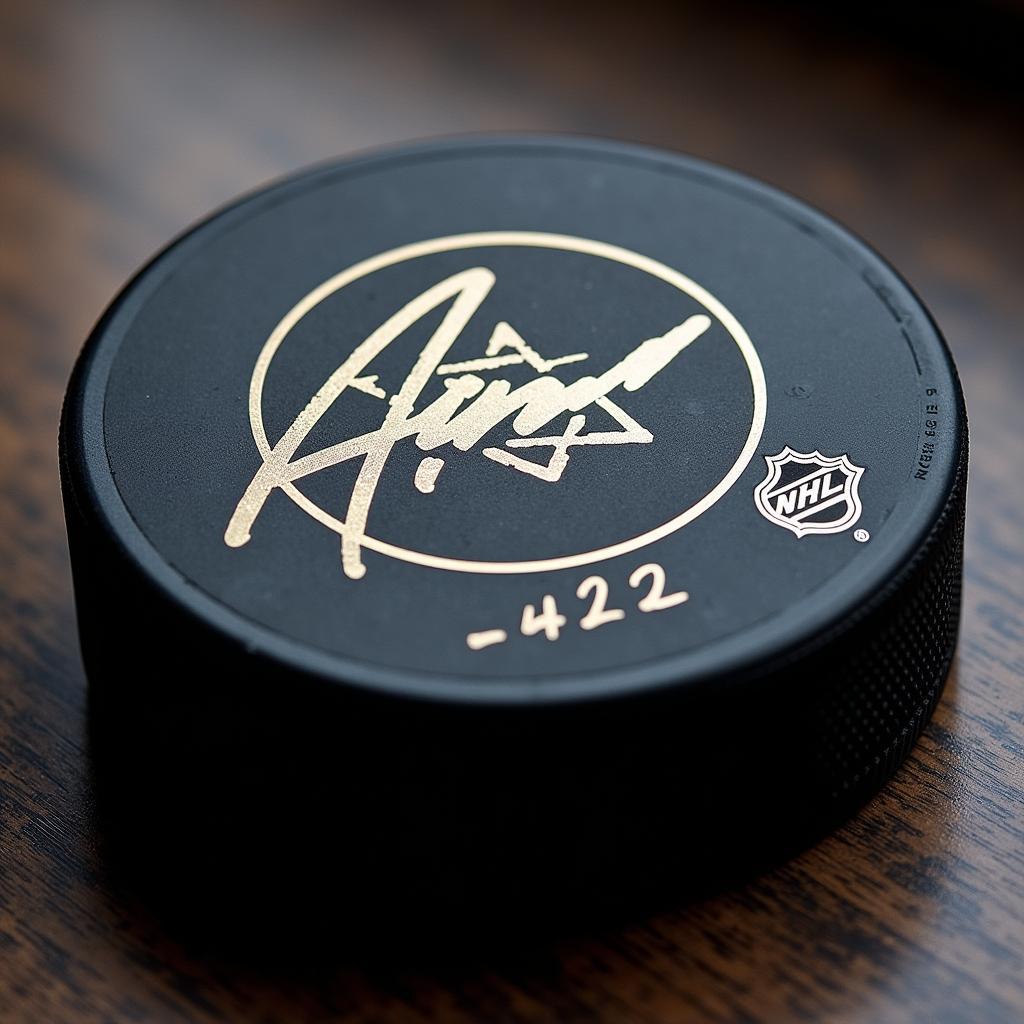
468, 409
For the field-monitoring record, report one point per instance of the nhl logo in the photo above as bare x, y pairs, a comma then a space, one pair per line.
810, 493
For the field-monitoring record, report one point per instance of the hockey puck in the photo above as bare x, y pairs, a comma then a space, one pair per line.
510, 512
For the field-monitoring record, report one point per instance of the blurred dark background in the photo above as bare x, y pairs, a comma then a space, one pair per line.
123, 122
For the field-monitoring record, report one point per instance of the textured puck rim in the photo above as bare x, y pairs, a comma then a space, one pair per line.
853, 592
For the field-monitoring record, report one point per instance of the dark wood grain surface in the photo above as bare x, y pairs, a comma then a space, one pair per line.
123, 122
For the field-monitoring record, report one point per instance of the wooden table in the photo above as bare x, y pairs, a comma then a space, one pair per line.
123, 122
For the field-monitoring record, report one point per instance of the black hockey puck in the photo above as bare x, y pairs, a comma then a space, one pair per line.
510, 515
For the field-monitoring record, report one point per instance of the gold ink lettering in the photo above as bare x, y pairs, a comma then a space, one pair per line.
655, 600
426, 474
485, 638
550, 621
448, 419
598, 614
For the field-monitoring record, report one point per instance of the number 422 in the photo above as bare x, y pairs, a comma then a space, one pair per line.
550, 620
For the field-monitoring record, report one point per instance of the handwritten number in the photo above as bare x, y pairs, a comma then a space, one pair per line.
655, 600
550, 621
598, 614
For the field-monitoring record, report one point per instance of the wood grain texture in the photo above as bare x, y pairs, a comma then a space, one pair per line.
123, 122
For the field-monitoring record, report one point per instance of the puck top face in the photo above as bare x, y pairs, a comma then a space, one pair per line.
519, 420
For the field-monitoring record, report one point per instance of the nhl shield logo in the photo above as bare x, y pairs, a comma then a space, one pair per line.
810, 493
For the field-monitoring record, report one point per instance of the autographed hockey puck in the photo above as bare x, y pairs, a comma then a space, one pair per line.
504, 515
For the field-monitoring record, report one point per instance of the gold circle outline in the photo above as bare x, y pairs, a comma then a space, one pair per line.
531, 239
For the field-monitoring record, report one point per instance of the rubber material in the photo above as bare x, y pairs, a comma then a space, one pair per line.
265, 706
